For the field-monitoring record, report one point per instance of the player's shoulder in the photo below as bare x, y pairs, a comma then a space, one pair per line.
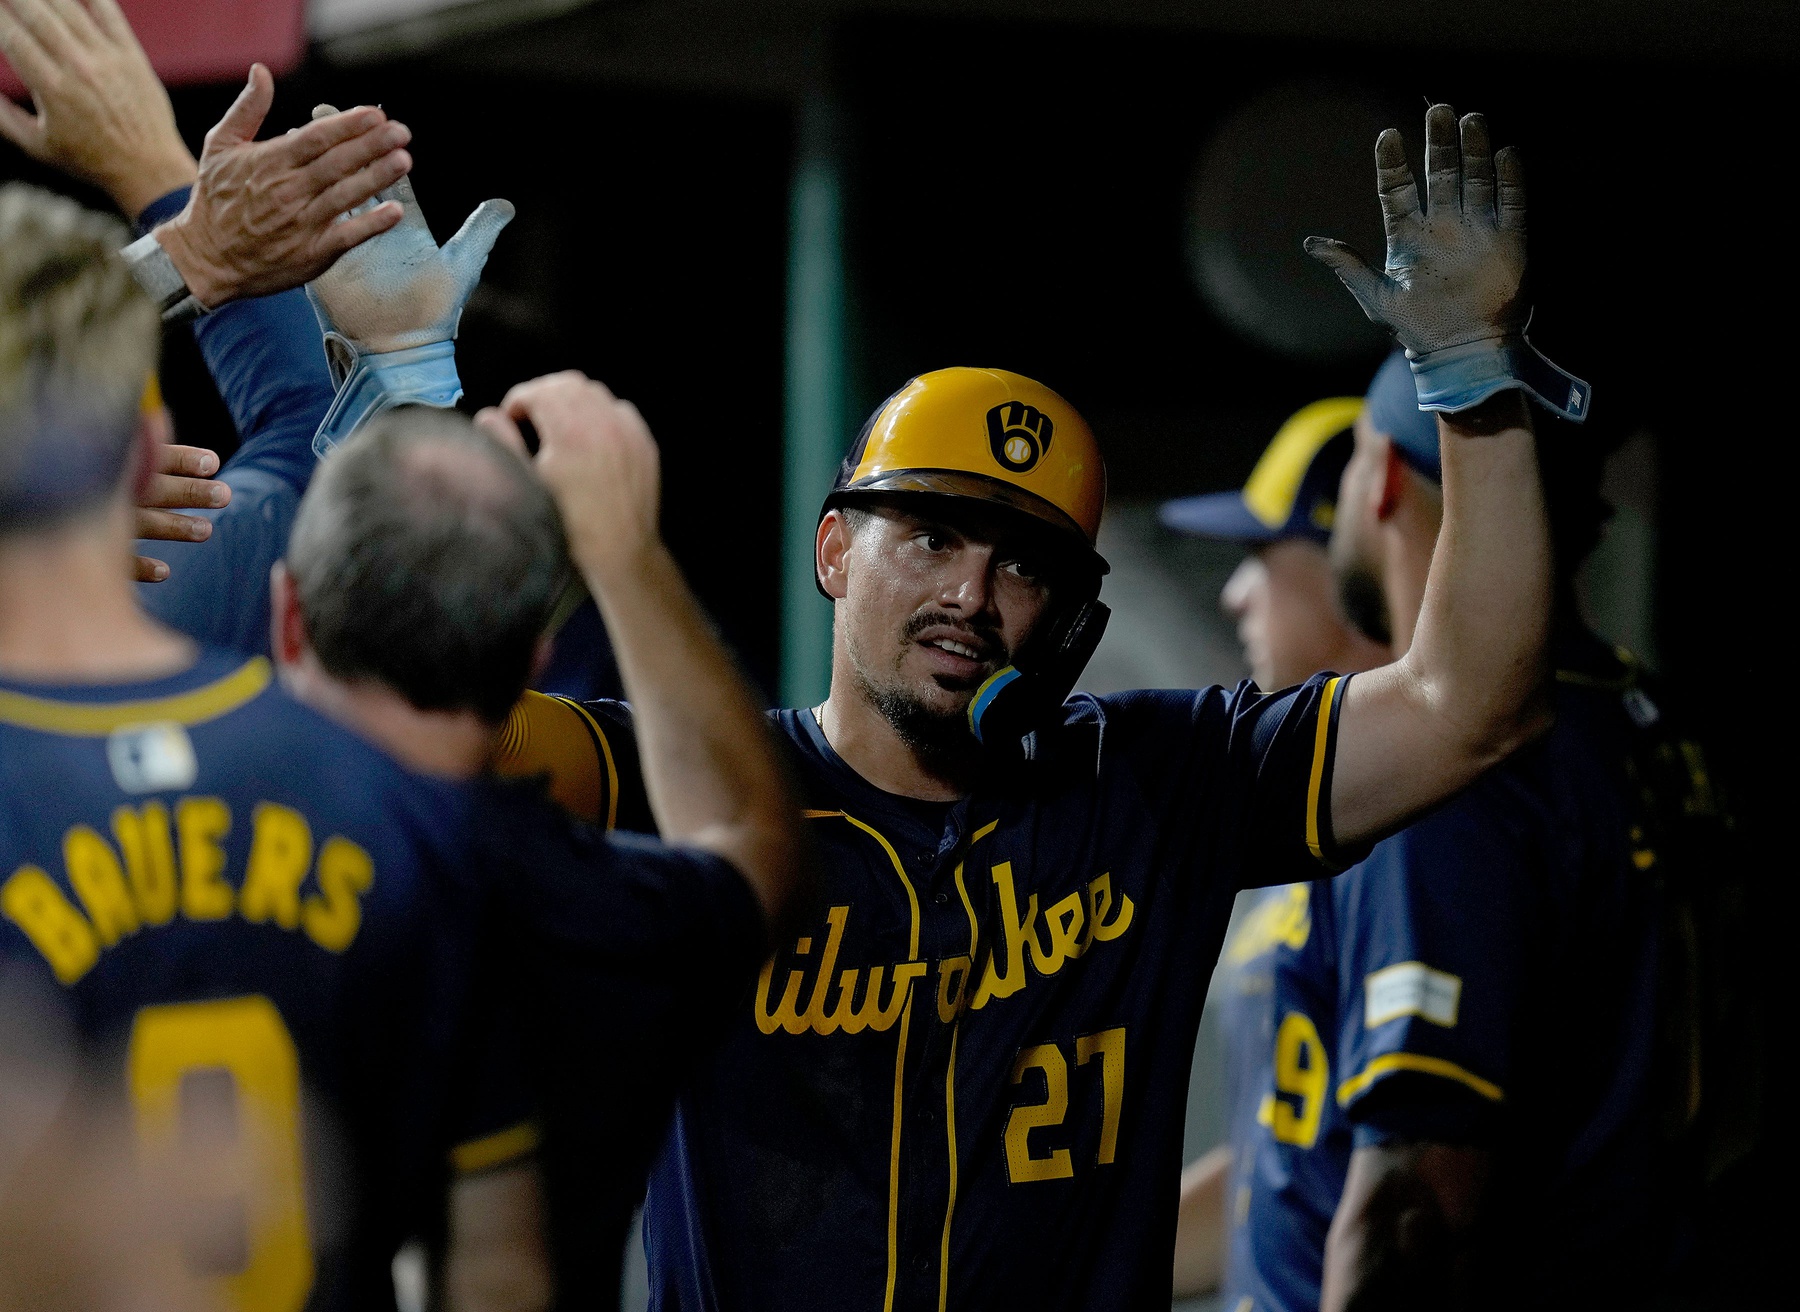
1149, 719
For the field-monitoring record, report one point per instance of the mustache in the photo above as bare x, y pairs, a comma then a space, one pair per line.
986, 637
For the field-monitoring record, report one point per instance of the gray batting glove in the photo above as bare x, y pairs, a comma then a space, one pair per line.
390, 309
1453, 289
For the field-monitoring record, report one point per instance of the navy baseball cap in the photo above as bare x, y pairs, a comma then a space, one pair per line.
1393, 402
1292, 492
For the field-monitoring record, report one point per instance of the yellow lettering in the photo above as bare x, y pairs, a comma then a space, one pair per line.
950, 1000
815, 1018
1100, 906
1063, 922
846, 1014
246, 1155
1303, 1072
1021, 1166
149, 850
33, 902
280, 853
333, 915
786, 1016
201, 824
1109, 1045
1005, 984
99, 880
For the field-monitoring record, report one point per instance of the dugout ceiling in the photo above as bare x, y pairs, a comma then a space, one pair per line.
761, 46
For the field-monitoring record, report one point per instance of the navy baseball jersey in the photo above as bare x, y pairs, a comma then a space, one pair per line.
1272, 919
961, 1080
1486, 977
242, 906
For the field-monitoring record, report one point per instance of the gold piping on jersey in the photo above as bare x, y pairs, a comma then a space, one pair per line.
495, 1149
96, 719
1388, 1063
950, 1074
912, 954
612, 770
1320, 740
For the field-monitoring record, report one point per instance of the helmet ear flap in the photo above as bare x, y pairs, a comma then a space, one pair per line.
1014, 701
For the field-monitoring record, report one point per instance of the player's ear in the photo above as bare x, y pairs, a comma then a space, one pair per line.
540, 657
287, 626
831, 554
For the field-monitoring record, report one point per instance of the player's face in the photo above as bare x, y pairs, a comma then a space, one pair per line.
1284, 600
1355, 561
934, 605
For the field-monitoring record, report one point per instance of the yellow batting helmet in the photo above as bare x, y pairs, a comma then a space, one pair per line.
987, 435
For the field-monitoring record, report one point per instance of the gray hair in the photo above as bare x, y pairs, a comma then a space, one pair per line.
428, 558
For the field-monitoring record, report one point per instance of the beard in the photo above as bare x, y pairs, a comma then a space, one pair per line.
1365, 604
938, 735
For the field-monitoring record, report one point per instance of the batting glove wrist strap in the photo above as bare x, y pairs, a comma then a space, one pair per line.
1459, 377
377, 381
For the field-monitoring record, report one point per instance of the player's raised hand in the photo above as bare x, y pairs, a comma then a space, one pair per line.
268, 215
102, 115
402, 290
597, 457
1456, 267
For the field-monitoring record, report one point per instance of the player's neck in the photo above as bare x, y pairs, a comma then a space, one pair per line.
862, 737
447, 744
69, 612
1403, 584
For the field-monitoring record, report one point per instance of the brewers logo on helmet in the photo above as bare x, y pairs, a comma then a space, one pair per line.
987, 435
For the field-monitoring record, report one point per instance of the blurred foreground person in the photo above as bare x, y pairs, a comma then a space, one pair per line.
403, 616
247, 904
239, 903
1284, 599
1461, 1102
962, 1081
82, 1225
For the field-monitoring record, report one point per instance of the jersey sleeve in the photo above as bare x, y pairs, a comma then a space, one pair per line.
1432, 961
628, 959
586, 755
494, 1115
267, 357
1243, 776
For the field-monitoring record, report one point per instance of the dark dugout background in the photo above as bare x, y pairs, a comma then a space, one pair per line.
1018, 194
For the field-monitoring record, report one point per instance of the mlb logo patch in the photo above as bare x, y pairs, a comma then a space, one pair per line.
152, 758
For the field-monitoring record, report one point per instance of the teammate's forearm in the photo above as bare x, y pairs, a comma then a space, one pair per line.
1200, 1224
711, 769
1471, 687
1401, 1226
1484, 627
497, 1257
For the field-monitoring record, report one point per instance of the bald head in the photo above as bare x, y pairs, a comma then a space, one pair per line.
427, 558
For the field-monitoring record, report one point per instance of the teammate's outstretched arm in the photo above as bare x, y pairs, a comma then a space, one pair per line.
1471, 687
264, 215
711, 768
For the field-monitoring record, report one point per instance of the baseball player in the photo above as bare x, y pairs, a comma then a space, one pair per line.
1458, 1106
288, 947
1284, 600
961, 1080
222, 887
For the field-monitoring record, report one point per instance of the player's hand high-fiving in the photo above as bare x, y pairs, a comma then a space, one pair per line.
1453, 290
